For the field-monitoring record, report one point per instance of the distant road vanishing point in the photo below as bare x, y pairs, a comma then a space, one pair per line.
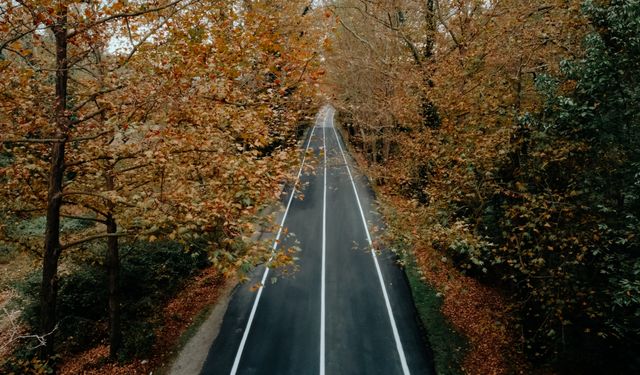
348, 309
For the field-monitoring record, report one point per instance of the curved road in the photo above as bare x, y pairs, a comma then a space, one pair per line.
347, 310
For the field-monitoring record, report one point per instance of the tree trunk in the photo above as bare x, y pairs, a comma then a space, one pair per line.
374, 148
113, 271
430, 23
386, 145
364, 141
52, 248
428, 109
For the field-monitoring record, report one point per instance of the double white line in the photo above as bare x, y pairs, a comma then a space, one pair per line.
324, 248
327, 113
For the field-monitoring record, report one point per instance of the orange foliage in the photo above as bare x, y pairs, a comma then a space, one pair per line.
439, 171
477, 311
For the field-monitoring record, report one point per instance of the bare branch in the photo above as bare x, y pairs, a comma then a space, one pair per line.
42, 339
96, 195
140, 12
446, 27
225, 101
91, 137
304, 70
143, 40
193, 150
116, 159
81, 56
80, 162
17, 37
85, 205
95, 95
361, 39
84, 218
23, 57
94, 237
86, 118
33, 140
133, 168
87, 193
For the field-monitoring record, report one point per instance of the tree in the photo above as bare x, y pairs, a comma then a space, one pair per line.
582, 155
80, 25
131, 127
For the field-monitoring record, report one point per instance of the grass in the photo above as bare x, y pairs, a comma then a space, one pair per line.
449, 347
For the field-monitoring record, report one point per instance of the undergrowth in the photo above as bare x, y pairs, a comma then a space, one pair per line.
151, 273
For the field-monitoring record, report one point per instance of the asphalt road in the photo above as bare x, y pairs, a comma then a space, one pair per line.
347, 309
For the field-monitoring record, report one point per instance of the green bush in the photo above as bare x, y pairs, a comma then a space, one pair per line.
81, 306
150, 274
565, 221
137, 340
6, 254
6, 159
26, 366
152, 270
34, 227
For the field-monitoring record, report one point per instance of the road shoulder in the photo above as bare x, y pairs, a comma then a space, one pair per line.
194, 353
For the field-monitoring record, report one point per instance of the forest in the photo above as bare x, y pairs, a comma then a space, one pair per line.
503, 136
140, 139
142, 143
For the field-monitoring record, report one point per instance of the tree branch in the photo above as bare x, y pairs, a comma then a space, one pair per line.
140, 12
92, 208
144, 39
42, 339
304, 70
366, 42
91, 137
17, 37
33, 140
133, 168
94, 237
23, 57
225, 101
96, 195
84, 218
86, 118
95, 95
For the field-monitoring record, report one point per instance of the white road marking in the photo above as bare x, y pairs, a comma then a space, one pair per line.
245, 335
324, 252
394, 328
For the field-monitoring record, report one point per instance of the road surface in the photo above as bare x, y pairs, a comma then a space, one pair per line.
347, 309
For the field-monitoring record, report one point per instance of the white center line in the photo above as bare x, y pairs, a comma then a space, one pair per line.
324, 251
394, 328
245, 335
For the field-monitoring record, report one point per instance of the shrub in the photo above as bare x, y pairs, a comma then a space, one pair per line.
566, 231
150, 274
137, 339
